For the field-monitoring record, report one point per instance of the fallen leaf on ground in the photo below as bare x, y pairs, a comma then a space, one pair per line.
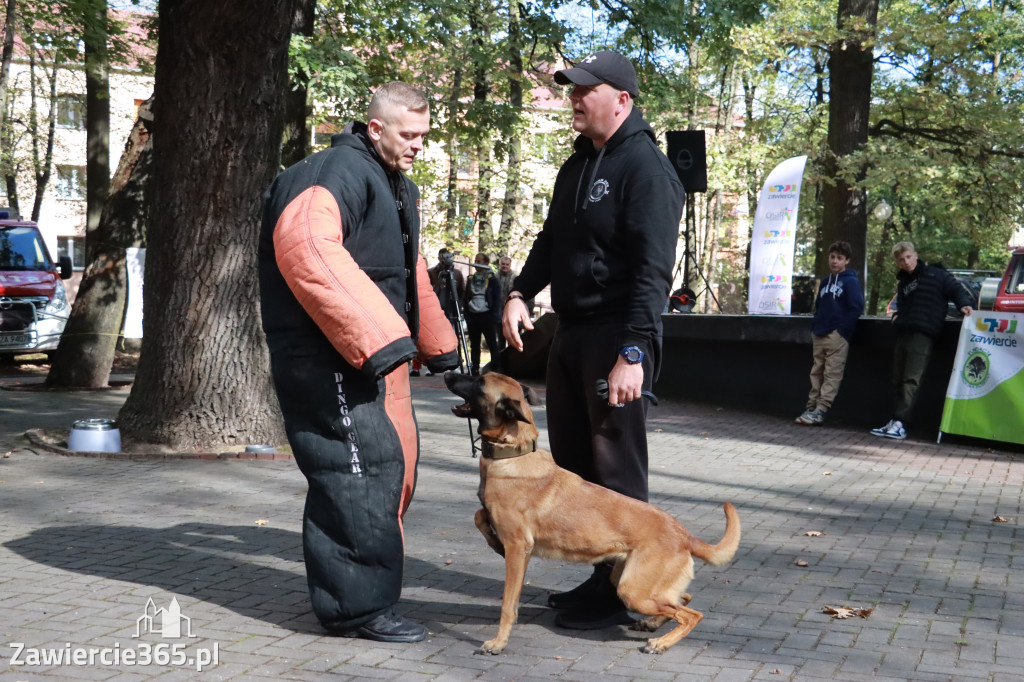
448, 563
813, 533
657, 430
801, 563
1000, 519
847, 612
261, 522
827, 473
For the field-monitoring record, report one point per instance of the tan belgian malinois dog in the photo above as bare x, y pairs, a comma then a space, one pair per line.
534, 507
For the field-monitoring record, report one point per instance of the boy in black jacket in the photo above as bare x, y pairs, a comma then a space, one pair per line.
921, 297
840, 302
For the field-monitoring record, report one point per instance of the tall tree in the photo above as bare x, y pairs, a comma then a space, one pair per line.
203, 378
86, 350
88, 345
850, 70
298, 112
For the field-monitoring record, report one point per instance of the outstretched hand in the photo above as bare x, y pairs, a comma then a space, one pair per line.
516, 313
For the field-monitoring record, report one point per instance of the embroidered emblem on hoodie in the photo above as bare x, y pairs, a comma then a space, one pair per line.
598, 190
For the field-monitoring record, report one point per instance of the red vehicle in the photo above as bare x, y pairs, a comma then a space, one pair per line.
33, 303
1009, 296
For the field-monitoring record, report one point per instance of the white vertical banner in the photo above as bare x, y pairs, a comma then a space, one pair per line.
136, 262
773, 240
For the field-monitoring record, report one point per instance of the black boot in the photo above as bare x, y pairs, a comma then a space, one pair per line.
388, 627
597, 584
593, 605
600, 612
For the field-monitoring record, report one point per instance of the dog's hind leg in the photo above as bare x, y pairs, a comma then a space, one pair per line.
517, 556
654, 622
482, 519
687, 619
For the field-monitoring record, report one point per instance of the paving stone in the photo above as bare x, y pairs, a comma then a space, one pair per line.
85, 542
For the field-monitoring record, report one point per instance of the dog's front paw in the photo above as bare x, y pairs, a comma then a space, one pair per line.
654, 646
493, 646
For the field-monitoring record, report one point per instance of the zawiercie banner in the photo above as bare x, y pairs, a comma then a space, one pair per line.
774, 239
985, 398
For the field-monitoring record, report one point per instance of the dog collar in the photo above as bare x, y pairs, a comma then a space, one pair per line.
498, 451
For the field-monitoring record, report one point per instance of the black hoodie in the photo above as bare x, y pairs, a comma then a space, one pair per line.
608, 245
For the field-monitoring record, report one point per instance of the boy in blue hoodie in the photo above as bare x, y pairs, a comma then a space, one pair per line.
840, 302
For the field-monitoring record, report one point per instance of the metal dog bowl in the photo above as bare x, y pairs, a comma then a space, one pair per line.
95, 435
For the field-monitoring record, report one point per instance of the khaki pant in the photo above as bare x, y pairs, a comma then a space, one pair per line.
827, 371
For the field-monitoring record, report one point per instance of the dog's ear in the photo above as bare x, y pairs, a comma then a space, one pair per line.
508, 409
531, 395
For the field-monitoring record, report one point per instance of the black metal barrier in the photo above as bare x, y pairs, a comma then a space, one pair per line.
761, 363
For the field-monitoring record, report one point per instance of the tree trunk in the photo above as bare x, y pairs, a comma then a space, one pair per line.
203, 379
296, 97
451, 226
87, 348
10, 16
42, 164
481, 89
511, 201
850, 66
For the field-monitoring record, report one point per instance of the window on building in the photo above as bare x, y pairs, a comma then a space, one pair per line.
74, 248
71, 182
549, 149
463, 163
540, 208
71, 111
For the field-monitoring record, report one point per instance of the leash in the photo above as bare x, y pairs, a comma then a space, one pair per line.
602, 392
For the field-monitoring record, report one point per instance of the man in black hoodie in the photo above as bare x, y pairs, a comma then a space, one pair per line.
607, 249
921, 297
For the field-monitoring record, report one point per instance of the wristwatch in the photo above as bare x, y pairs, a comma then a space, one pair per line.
633, 354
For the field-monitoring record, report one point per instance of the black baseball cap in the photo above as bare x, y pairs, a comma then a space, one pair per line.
602, 67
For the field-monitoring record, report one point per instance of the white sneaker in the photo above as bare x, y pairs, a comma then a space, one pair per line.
896, 430
882, 430
811, 417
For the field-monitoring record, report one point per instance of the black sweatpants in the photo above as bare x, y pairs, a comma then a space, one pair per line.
354, 438
911, 354
478, 324
602, 444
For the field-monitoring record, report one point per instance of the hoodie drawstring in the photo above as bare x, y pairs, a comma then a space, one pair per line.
593, 176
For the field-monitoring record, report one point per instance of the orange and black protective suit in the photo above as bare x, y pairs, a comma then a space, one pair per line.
346, 302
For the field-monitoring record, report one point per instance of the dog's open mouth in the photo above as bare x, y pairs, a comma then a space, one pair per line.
462, 410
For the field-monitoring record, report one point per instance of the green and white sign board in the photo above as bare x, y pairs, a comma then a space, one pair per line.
985, 397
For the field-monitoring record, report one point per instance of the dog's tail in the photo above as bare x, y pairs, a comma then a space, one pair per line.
716, 555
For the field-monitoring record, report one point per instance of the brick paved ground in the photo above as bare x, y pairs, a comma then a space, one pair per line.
907, 529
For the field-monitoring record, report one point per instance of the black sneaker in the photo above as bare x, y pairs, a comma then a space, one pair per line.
389, 627
596, 585
597, 615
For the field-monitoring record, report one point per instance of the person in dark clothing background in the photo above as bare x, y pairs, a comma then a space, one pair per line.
482, 308
346, 303
921, 303
607, 248
840, 302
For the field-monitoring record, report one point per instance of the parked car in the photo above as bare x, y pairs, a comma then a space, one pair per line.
1006, 294
33, 302
971, 280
